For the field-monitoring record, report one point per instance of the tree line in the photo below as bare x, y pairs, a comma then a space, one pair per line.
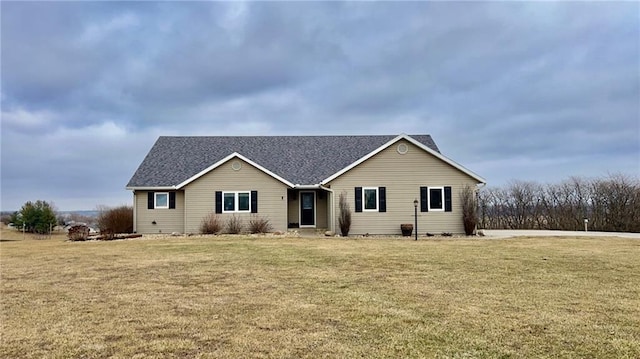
41, 217
610, 204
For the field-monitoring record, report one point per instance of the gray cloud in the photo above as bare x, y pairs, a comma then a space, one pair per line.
534, 91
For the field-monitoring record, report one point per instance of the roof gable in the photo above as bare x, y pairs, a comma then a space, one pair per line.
227, 159
420, 145
300, 160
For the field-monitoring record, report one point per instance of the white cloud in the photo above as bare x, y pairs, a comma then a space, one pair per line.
24, 120
234, 20
102, 132
97, 32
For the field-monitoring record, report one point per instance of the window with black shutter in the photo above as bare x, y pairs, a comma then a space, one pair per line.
435, 199
382, 199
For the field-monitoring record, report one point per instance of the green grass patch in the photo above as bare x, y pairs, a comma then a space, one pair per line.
266, 297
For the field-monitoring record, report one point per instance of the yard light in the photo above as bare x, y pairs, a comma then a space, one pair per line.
415, 215
586, 222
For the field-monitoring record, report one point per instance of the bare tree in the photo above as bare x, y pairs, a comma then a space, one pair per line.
610, 204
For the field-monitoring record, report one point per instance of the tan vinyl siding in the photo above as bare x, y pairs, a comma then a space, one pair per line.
294, 207
321, 210
403, 175
200, 195
167, 220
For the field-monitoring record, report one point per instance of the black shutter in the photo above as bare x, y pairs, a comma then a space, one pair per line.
424, 198
218, 202
358, 199
172, 200
254, 201
150, 200
447, 199
382, 199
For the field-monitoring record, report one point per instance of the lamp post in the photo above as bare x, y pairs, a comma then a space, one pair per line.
415, 215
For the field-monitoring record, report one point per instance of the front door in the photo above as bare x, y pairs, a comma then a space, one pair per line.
308, 209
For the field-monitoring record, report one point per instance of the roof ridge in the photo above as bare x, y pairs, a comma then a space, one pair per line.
296, 136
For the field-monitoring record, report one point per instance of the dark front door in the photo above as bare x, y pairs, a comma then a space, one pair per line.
307, 208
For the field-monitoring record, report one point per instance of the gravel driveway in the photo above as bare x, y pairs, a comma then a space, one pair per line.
506, 233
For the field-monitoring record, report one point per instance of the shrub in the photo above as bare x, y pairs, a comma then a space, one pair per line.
78, 233
469, 216
211, 224
38, 217
234, 225
115, 220
344, 216
259, 225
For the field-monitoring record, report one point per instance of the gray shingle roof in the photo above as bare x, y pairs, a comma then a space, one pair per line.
298, 159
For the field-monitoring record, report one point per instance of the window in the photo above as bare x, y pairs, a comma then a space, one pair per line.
435, 199
436, 196
370, 198
161, 200
236, 201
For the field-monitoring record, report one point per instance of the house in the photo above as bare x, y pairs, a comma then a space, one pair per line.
296, 181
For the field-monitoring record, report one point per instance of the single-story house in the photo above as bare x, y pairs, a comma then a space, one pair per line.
296, 182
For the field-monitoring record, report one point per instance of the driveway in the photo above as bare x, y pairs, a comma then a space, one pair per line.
506, 233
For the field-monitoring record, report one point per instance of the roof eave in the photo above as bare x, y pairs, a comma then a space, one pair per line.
150, 188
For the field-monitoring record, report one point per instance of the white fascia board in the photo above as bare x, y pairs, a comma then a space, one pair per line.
307, 186
226, 159
416, 143
157, 188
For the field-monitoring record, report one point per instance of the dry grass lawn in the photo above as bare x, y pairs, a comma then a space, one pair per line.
267, 297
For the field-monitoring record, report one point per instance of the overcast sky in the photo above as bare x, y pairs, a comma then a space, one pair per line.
535, 91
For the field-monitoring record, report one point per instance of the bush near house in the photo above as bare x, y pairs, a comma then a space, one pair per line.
259, 224
344, 216
211, 224
115, 220
234, 225
469, 213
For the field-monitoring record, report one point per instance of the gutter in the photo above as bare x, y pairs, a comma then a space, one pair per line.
307, 186
160, 188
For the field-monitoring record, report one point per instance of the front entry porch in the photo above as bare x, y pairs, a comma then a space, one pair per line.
308, 208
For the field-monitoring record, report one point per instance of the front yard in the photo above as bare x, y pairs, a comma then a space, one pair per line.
264, 297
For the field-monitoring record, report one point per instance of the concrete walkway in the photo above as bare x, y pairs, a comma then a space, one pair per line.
507, 233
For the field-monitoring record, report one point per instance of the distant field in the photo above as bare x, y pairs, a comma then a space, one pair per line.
266, 297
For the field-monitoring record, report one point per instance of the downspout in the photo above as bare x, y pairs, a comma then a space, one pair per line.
135, 209
332, 217
184, 209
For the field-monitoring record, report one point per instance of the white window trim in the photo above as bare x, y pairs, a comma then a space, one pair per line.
364, 203
155, 200
236, 202
429, 199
